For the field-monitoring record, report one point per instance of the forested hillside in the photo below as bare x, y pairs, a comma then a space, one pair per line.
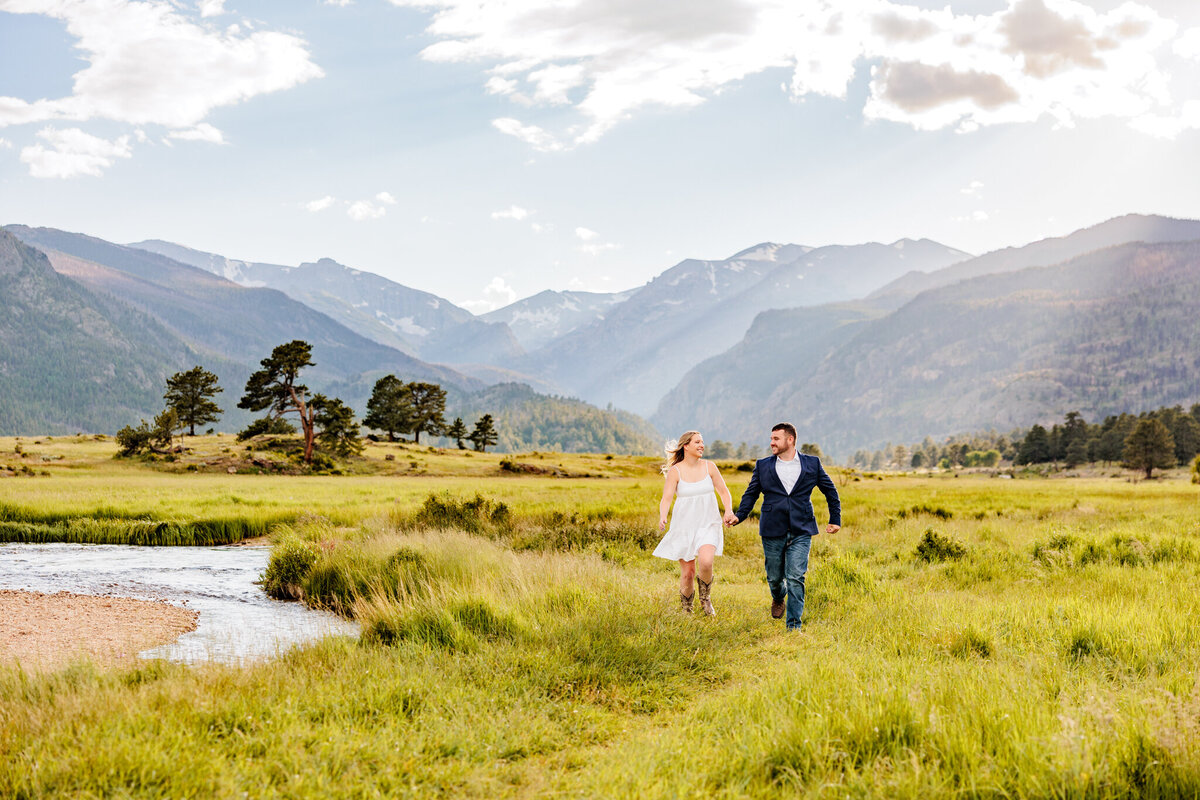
527, 421
71, 360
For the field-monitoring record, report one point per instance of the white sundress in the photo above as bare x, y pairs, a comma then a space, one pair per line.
695, 521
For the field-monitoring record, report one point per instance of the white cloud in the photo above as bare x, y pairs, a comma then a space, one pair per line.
609, 59
321, 204
538, 228
598, 248
362, 210
1188, 44
592, 246
532, 135
1170, 126
512, 212
973, 188
5, 144
201, 133
496, 294
976, 216
211, 8
339, 3
150, 64
72, 152
358, 210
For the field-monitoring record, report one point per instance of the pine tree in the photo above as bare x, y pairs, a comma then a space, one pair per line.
166, 424
1150, 446
428, 409
339, 432
275, 387
1077, 453
190, 394
484, 434
390, 408
457, 431
1035, 449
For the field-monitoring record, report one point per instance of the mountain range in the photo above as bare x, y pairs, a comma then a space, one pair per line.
1008, 339
634, 353
94, 328
412, 321
856, 344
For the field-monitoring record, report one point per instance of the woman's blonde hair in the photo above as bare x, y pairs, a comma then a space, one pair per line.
674, 450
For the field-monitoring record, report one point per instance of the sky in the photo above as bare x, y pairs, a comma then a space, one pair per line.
486, 151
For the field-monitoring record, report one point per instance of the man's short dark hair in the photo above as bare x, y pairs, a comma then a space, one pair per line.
787, 428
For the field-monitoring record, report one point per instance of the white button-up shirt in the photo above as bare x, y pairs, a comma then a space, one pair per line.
788, 472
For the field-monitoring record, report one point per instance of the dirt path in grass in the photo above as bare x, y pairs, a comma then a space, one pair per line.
47, 631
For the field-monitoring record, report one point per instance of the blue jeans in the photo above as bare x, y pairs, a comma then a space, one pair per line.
787, 561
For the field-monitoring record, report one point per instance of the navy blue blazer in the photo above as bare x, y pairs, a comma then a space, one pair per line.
783, 512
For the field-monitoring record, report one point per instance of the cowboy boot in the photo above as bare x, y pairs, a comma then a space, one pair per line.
685, 602
705, 599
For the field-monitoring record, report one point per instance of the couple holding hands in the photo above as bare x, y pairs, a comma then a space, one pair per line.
785, 479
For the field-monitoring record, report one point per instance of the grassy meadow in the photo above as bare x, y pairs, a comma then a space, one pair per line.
964, 636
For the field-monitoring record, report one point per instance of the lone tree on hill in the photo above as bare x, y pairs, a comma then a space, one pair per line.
1150, 446
339, 430
275, 388
428, 409
484, 434
457, 431
190, 394
390, 408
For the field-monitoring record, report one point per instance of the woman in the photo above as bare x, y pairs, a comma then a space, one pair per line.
696, 536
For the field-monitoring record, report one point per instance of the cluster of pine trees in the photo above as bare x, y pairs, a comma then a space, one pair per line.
1151, 440
975, 450
414, 408
395, 408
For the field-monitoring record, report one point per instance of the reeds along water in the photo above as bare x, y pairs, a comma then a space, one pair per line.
85, 530
110, 526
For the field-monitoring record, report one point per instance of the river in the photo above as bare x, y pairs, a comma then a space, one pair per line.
238, 622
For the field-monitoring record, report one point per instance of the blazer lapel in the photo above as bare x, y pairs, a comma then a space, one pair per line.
799, 477
775, 475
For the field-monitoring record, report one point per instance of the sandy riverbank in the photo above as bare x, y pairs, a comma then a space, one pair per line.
48, 631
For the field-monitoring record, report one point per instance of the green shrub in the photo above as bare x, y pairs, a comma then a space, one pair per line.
474, 515
131, 441
939, 512
274, 426
292, 559
936, 547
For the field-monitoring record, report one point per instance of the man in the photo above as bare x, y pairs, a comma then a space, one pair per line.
787, 524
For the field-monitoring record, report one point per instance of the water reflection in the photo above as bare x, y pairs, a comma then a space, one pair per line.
238, 621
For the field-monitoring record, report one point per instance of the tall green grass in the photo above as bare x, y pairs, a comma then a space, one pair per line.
1038, 639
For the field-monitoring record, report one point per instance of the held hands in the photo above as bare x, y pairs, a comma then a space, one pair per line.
831, 528
731, 519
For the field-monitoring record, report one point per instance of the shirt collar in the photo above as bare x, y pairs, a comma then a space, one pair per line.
794, 459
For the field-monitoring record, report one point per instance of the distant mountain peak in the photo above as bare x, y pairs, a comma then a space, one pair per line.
770, 251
